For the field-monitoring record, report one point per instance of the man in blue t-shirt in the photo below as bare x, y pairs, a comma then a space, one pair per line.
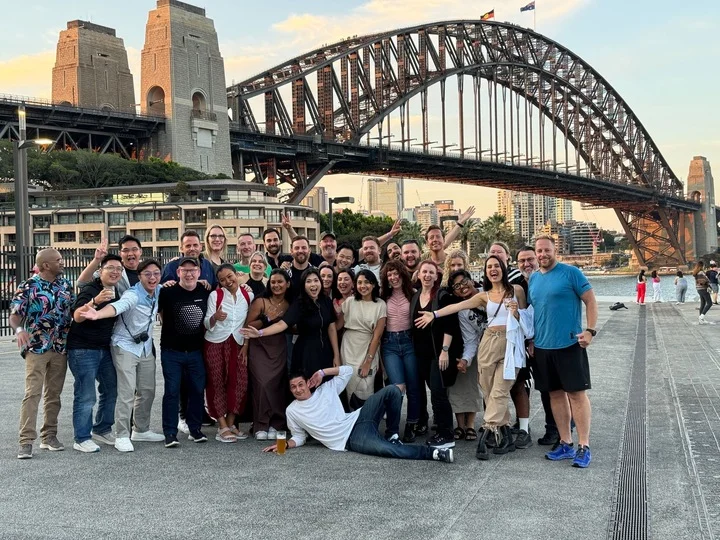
557, 292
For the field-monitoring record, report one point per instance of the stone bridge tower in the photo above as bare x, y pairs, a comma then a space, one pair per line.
91, 69
183, 78
702, 225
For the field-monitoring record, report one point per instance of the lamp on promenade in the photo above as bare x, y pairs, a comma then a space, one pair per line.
337, 200
22, 212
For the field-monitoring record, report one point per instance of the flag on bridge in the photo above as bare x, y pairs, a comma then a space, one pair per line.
489, 15
529, 7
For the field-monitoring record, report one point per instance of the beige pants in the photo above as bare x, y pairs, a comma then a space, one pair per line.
135, 390
496, 390
48, 370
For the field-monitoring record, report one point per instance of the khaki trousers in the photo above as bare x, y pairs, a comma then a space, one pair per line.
135, 390
42, 370
496, 390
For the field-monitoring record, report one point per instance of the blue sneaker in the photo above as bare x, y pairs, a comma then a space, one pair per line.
582, 457
561, 450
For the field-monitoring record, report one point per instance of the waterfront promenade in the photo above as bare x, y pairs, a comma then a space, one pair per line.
656, 466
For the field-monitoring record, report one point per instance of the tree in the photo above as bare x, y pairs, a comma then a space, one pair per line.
410, 231
351, 227
494, 229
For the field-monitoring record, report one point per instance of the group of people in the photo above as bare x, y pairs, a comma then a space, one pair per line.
323, 344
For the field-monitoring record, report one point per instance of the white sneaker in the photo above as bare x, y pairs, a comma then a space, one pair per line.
123, 444
182, 426
272, 434
106, 438
86, 446
147, 436
261, 435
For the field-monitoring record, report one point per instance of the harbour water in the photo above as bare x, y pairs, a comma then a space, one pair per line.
622, 288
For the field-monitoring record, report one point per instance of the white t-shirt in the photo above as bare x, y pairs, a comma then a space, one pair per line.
236, 308
322, 415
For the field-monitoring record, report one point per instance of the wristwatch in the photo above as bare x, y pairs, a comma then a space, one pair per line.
592, 331
445, 348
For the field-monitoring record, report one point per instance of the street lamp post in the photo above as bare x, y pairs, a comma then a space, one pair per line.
22, 211
337, 200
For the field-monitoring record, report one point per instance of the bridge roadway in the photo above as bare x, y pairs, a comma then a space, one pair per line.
656, 355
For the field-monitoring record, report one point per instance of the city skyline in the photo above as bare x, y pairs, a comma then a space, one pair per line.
275, 33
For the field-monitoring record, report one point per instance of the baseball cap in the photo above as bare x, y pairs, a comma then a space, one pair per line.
713, 263
327, 233
192, 260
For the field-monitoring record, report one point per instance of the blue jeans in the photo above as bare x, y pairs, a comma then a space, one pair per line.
365, 437
88, 366
178, 366
398, 353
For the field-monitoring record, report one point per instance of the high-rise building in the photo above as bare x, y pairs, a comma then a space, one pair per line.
525, 213
426, 215
317, 199
408, 214
445, 204
583, 238
563, 210
504, 205
386, 195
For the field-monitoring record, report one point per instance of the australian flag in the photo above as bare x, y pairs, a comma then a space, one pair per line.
529, 7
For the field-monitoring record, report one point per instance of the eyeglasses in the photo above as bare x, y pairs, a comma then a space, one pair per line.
149, 275
216, 236
113, 269
130, 250
189, 270
461, 284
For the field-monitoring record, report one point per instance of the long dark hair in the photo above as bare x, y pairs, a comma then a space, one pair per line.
487, 284
699, 266
641, 274
303, 296
334, 293
288, 292
370, 276
406, 285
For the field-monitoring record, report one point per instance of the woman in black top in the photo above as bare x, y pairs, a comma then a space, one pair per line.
256, 279
437, 353
313, 314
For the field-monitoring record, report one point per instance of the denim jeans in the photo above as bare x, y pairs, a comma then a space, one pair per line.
178, 366
705, 301
398, 353
680, 291
365, 437
88, 366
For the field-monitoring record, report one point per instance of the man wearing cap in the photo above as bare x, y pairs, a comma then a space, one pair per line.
182, 309
712, 276
328, 249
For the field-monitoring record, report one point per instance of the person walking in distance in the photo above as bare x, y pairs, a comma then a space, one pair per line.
657, 293
680, 287
40, 316
702, 283
640, 286
557, 292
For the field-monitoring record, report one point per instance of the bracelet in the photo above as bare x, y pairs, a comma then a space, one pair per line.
460, 224
19, 330
435, 315
260, 332
369, 356
322, 372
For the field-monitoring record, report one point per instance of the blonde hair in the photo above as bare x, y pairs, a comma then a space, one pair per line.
258, 254
454, 254
208, 251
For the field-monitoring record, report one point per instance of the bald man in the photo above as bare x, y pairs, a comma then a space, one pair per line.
40, 316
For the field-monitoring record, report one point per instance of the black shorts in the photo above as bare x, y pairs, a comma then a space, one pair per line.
562, 369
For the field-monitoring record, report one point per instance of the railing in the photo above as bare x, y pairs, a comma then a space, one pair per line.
75, 262
204, 115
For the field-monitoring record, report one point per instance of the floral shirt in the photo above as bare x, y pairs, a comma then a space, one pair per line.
45, 308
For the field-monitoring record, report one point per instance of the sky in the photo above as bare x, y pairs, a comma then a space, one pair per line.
662, 58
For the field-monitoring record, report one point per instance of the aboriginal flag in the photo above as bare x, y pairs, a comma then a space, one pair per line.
489, 15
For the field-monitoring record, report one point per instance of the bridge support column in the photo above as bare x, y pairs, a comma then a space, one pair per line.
655, 236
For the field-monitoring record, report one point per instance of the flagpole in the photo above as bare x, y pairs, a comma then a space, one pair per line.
534, 15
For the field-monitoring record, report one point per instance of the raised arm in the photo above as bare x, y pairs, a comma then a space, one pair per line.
88, 274
426, 317
288, 226
459, 224
385, 238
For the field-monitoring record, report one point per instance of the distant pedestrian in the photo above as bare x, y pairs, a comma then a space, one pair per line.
712, 276
701, 285
640, 287
657, 293
40, 317
680, 287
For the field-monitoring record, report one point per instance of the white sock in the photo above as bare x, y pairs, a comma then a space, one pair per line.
436, 454
524, 424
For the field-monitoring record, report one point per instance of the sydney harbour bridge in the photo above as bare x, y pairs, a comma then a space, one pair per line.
479, 103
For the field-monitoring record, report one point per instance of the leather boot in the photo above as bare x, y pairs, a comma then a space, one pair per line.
506, 443
409, 435
482, 451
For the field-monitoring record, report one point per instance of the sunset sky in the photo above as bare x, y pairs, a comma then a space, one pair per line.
662, 60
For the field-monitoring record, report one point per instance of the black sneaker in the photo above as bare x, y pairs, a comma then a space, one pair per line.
438, 441
197, 436
395, 439
505, 441
421, 429
551, 438
444, 454
207, 421
523, 440
409, 435
171, 441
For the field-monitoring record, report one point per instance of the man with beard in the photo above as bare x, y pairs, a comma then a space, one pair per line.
410, 255
300, 251
437, 243
557, 292
131, 254
273, 245
190, 247
370, 252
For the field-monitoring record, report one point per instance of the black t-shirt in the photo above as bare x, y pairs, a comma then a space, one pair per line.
132, 276
712, 276
91, 334
183, 313
282, 257
295, 276
258, 287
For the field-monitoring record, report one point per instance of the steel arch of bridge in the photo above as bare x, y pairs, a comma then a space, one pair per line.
361, 81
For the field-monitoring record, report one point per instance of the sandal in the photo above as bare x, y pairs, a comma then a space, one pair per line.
459, 433
225, 435
470, 434
239, 435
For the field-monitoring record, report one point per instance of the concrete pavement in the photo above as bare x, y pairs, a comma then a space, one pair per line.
235, 491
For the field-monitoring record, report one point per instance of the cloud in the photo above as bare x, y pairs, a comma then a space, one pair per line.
28, 75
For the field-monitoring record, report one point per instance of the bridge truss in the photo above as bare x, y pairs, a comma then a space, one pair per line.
493, 94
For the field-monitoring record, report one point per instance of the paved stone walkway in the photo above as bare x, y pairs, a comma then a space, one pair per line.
235, 491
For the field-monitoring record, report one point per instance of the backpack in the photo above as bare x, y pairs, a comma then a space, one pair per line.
221, 295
